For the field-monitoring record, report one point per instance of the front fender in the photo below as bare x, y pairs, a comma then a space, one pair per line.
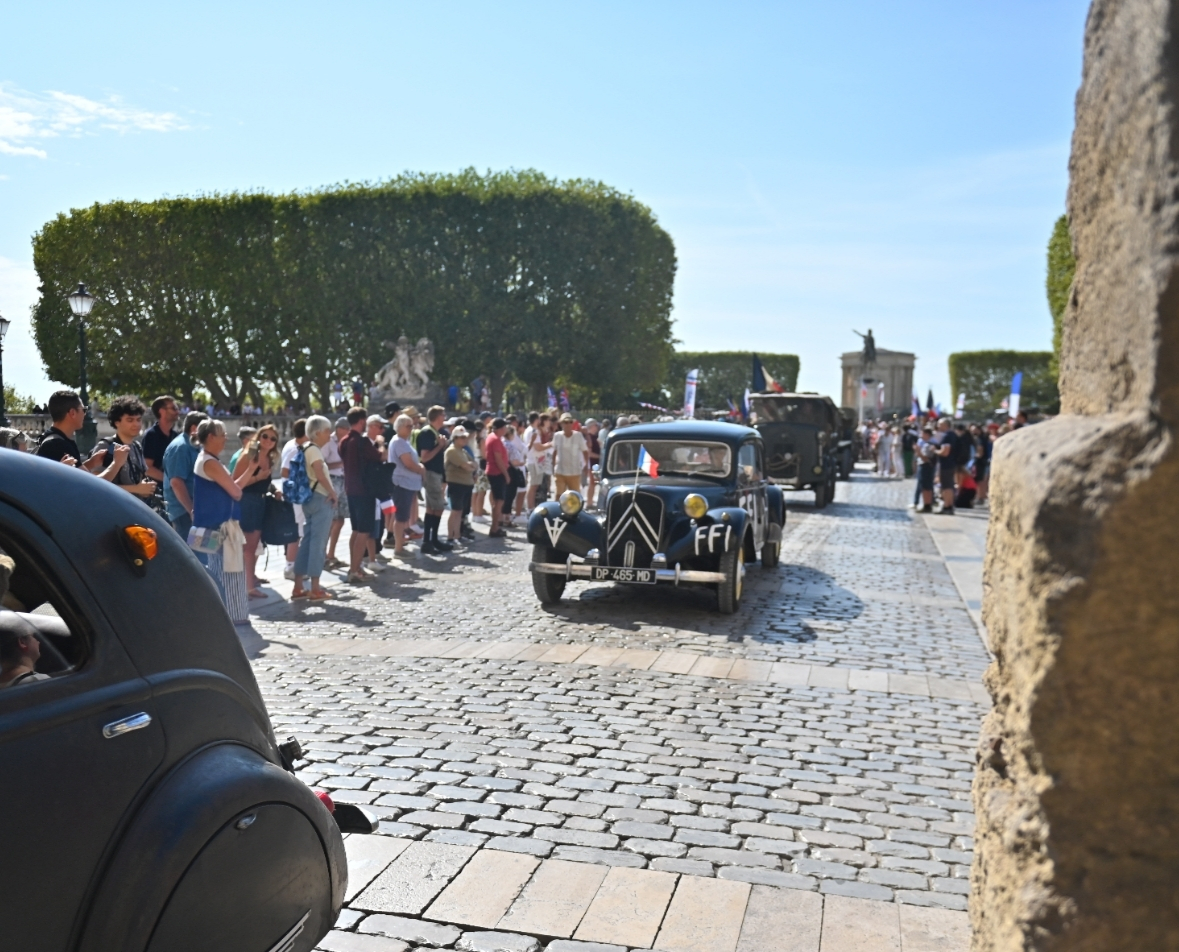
716, 532
574, 535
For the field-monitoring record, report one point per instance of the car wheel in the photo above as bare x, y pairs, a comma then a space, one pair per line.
548, 588
821, 499
728, 592
770, 553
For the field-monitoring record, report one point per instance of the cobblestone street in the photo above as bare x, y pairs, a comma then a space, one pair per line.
801, 764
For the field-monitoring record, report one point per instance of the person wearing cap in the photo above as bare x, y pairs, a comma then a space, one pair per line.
335, 465
570, 457
431, 445
460, 481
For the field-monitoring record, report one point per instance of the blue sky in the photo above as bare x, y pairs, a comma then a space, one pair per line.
820, 166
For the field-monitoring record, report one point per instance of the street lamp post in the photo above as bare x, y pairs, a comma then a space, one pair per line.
3, 409
81, 301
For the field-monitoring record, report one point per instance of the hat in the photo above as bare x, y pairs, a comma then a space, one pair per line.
590, 422
566, 418
621, 421
459, 432
391, 408
342, 423
486, 414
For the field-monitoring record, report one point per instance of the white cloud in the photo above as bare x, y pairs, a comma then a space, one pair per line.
26, 119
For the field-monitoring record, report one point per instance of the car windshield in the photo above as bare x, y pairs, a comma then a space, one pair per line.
675, 457
789, 410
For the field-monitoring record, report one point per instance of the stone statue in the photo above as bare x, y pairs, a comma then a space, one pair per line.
869, 347
407, 375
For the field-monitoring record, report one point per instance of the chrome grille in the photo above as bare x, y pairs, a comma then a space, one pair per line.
634, 526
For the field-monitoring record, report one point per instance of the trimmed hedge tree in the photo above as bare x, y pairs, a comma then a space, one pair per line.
985, 377
514, 276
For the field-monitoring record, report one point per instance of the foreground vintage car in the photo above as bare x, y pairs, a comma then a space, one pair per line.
149, 805
707, 512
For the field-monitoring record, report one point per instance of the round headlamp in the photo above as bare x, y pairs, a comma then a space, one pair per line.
570, 502
695, 505
817, 470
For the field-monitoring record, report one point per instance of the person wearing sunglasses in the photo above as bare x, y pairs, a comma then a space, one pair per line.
259, 457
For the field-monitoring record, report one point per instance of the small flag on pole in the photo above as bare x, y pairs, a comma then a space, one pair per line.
647, 463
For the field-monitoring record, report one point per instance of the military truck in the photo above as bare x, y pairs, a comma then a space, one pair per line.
802, 438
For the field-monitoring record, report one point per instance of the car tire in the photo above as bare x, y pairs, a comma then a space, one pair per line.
548, 588
821, 498
728, 592
770, 553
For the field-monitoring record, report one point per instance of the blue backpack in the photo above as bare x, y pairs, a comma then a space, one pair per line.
296, 488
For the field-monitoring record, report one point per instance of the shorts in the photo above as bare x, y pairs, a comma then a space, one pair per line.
404, 499
253, 511
340, 509
434, 484
947, 474
460, 497
925, 476
499, 487
362, 513
535, 474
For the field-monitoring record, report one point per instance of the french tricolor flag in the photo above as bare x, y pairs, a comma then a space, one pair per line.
647, 463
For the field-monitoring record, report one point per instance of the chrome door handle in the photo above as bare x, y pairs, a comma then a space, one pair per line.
126, 725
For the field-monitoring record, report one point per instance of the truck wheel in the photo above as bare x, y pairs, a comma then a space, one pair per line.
548, 588
770, 553
821, 499
728, 592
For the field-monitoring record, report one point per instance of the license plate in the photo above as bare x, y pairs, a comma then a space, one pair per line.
605, 573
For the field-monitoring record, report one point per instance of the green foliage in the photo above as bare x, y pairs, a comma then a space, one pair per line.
15, 402
985, 377
514, 276
1061, 268
724, 375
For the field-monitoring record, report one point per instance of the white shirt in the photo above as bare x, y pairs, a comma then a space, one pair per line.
331, 456
517, 454
569, 453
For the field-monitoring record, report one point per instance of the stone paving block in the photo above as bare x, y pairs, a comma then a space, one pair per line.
908, 684
766, 877
674, 662
934, 930
501, 650
413, 879
949, 688
484, 890
868, 681
745, 669
834, 679
705, 915
562, 654
730, 857
636, 659
781, 920
354, 942
555, 899
368, 856
785, 672
457, 837
572, 945
855, 889
600, 655
433, 819
627, 908
496, 942
586, 854
860, 925
416, 931
688, 867
520, 844
711, 667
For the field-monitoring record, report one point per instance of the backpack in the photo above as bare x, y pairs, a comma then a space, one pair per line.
296, 488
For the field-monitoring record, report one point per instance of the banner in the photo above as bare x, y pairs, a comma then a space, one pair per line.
552, 399
690, 395
960, 410
1013, 400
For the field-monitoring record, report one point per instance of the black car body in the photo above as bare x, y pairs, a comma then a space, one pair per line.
708, 512
148, 804
802, 440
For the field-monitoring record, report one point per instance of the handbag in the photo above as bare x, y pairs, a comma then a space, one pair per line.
278, 522
519, 480
207, 541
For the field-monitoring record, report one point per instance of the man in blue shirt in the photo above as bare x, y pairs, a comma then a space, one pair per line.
179, 459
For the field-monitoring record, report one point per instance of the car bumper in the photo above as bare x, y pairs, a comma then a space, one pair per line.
572, 570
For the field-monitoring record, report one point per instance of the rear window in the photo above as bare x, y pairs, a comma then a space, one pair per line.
782, 410
39, 635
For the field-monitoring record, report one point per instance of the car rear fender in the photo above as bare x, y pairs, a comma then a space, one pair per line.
776, 504
185, 811
574, 535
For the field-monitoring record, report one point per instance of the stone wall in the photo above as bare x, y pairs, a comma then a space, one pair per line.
1077, 790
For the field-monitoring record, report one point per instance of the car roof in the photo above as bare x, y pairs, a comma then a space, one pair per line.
708, 430
795, 396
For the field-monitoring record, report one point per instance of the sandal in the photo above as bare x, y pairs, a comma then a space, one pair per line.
255, 593
300, 593
321, 596
496, 534
356, 578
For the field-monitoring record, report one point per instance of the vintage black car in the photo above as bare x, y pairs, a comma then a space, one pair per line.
705, 510
147, 802
802, 433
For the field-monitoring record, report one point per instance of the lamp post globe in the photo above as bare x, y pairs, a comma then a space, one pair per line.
81, 303
4, 324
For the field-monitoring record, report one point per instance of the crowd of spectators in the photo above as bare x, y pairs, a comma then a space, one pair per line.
394, 477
